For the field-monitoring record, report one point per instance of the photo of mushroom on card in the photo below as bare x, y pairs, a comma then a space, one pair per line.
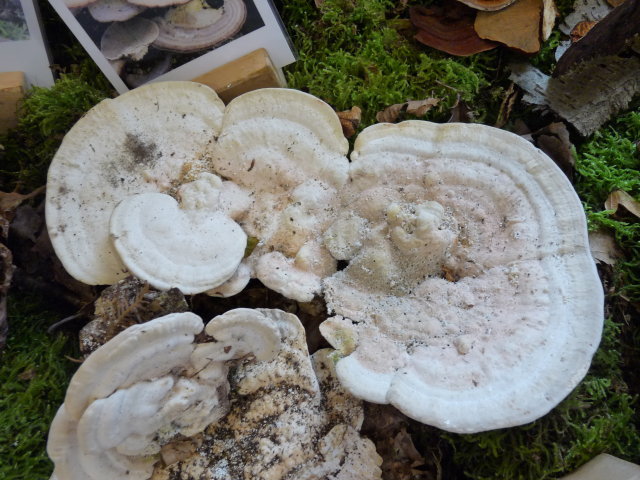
139, 41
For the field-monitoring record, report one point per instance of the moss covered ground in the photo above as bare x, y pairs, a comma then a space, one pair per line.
361, 52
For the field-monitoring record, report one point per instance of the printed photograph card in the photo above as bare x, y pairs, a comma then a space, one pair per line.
22, 47
139, 41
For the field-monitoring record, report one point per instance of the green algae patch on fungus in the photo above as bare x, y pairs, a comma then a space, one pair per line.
34, 374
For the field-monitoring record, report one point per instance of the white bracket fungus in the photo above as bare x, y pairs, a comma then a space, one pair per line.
286, 148
114, 10
144, 388
191, 246
128, 39
289, 418
471, 301
147, 140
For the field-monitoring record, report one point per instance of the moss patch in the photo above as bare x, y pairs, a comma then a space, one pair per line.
34, 374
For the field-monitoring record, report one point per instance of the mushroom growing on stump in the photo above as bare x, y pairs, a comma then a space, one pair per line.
147, 387
196, 25
289, 418
151, 139
470, 301
285, 149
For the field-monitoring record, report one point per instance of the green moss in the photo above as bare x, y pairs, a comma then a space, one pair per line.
356, 53
597, 417
46, 114
33, 379
610, 161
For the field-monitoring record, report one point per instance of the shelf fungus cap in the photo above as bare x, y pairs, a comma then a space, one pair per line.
195, 25
114, 10
151, 139
286, 147
128, 39
289, 417
470, 300
188, 245
144, 389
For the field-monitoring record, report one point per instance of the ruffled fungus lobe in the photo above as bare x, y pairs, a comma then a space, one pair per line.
191, 246
196, 25
289, 418
286, 151
146, 387
114, 11
470, 301
150, 139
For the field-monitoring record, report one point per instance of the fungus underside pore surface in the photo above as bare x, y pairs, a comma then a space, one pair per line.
357, 52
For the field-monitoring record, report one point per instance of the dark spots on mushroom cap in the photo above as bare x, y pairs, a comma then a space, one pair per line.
143, 153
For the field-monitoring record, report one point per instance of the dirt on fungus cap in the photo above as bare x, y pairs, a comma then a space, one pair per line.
146, 140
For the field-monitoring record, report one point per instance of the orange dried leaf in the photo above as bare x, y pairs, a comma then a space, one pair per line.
580, 30
350, 121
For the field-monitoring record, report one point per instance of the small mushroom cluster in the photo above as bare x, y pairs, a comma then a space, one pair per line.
468, 298
129, 29
153, 403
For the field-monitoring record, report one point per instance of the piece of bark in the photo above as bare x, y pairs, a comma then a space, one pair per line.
611, 36
350, 121
585, 11
396, 112
520, 26
621, 198
448, 28
506, 106
587, 97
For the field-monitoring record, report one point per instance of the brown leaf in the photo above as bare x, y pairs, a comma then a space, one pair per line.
604, 248
350, 121
615, 3
461, 112
413, 107
554, 141
620, 197
9, 201
518, 26
448, 28
580, 30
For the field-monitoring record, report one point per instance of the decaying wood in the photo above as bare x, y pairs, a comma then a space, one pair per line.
613, 35
522, 26
585, 11
449, 28
586, 97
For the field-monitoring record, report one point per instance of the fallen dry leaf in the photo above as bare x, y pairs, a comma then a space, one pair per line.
461, 112
350, 121
580, 30
518, 26
449, 28
620, 197
615, 3
396, 112
604, 248
554, 140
